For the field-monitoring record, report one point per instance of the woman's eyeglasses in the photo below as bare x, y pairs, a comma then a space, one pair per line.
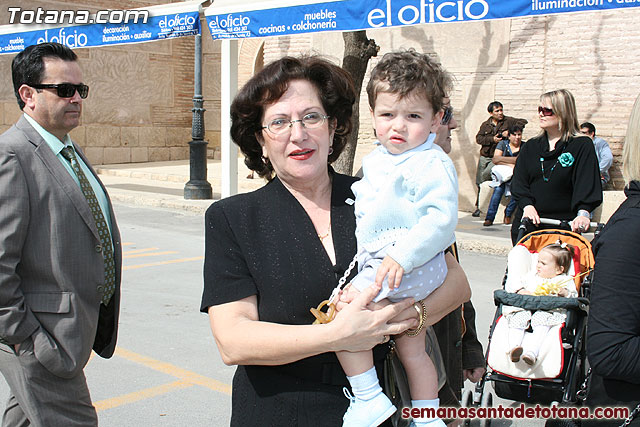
309, 121
66, 90
545, 111
446, 117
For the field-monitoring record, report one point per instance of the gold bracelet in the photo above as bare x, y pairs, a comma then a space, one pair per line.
422, 314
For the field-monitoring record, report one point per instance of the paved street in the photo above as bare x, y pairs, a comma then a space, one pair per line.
166, 370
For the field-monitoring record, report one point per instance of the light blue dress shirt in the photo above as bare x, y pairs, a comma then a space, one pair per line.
605, 157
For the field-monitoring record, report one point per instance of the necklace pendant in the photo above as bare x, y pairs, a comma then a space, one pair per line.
321, 237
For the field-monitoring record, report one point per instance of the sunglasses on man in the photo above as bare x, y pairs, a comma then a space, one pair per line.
446, 116
65, 90
545, 111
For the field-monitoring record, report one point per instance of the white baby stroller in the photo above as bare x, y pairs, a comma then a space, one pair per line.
560, 369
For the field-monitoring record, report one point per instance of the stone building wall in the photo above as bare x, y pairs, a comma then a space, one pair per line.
593, 54
140, 98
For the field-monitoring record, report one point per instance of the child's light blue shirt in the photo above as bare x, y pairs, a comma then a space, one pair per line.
409, 199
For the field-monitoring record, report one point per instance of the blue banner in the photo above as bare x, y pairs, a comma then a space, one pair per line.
231, 22
158, 27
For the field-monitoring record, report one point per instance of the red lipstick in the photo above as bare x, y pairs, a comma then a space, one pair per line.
302, 154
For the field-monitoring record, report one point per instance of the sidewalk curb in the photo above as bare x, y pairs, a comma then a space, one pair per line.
198, 207
124, 173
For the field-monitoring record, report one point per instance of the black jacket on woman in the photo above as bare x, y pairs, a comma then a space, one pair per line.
613, 331
558, 183
263, 243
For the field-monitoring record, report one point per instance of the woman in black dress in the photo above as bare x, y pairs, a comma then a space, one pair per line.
613, 331
556, 175
276, 252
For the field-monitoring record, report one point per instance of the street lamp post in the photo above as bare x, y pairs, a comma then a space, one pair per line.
198, 187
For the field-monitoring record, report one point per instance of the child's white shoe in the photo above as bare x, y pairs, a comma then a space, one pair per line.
367, 413
529, 358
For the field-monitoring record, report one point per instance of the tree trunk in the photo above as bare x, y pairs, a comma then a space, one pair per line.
358, 49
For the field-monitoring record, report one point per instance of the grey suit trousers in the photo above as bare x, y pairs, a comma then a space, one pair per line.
40, 398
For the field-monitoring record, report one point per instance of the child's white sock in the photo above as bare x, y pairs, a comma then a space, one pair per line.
427, 420
515, 336
365, 386
537, 338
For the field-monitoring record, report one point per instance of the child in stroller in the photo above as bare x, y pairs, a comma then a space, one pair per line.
550, 278
560, 364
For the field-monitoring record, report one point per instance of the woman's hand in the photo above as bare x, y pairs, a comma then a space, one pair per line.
580, 224
350, 293
362, 326
474, 375
530, 212
345, 296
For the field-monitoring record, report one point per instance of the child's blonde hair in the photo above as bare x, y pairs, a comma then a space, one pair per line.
562, 253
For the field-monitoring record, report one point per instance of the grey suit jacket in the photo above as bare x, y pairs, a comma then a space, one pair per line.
50, 259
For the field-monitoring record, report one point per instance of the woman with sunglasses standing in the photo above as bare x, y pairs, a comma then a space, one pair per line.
556, 174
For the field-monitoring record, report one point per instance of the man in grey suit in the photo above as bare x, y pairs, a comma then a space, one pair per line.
60, 252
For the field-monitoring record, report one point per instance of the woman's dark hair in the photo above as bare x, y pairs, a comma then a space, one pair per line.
516, 127
27, 68
335, 90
